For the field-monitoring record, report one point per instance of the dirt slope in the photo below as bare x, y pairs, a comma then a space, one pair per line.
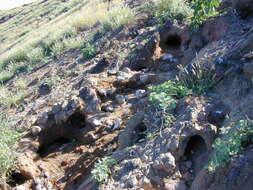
100, 107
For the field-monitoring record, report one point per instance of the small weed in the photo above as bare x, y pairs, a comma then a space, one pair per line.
5, 75
230, 144
8, 138
11, 99
52, 81
21, 83
118, 16
164, 94
89, 51
203, 10
175, 10
102, 169
198, 79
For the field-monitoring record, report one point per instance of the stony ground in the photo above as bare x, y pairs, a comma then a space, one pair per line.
100, 108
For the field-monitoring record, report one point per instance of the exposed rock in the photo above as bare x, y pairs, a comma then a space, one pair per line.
120, 99
91, 100
140, 93
129, 136
117, 124
166, 162
36, 130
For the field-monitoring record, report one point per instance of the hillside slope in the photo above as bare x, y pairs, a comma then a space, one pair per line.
126, 95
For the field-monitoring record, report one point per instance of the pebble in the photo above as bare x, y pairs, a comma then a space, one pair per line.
36, 130
120, 99
117, 124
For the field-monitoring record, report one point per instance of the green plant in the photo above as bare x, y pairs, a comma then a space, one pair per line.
231, 143
176, 10
8, 138
197, 78
52, 81
11, 99
89, 51
163, 94
118, 16
203, 10
5, 75
102, 169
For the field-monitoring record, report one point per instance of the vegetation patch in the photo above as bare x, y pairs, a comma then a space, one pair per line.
8, 138
89, 51
175, 10
165, 96
196, 78
234, 138
102, 169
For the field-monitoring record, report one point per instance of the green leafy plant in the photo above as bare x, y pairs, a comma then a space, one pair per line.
102, 169
203, 10
231, 143
196, 78
164, 94
89, 51
8, 138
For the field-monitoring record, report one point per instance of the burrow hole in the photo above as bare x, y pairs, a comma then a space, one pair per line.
173, 42
16, 179
59, 136
196, 152
140, 131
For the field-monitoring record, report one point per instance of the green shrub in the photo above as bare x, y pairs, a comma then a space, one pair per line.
11, 99
89, 51
203, 10
102, 169
8, 138
164, 94
5, 75
175, 10
196, 78
230, 144
118, 16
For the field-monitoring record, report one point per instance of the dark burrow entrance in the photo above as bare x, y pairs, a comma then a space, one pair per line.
140, 131
196, 154
172, 42
55, 146
16, 179
59, 136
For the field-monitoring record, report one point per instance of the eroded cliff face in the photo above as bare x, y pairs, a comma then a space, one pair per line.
101, 108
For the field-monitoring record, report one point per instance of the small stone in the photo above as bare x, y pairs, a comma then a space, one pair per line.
144, 78
166, 161
188, 164
107, 108
120, 78
117, 124
112, 72
94, 122
167, 57
126, 70
21, 187
120, 99
131, 182
110, 92
36, 130
140, 93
